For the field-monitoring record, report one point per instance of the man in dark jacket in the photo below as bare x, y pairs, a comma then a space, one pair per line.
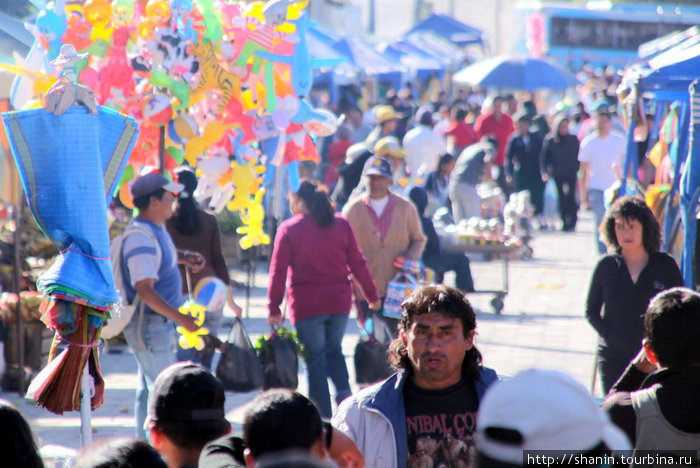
433, 256
523, 163
655, 401
560, 160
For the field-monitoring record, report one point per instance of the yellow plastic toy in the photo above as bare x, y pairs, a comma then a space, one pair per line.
193, 339
213, 75
253, 218
246, 179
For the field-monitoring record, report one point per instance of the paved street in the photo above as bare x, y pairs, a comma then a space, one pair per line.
542, 325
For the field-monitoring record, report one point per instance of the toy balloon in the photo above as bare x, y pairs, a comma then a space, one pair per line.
157, 109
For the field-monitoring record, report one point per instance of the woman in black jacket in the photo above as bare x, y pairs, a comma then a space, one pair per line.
560, 160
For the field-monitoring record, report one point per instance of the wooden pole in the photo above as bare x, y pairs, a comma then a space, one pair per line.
18, 289
161, 150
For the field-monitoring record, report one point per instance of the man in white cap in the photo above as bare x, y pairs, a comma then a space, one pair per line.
539, 411
149, 264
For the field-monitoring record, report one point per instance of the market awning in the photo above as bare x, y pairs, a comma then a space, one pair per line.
451, 29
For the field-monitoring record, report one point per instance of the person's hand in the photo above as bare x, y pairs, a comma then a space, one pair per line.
275, 320
187, 322
237, 310
194, 261
376, 305
344, 452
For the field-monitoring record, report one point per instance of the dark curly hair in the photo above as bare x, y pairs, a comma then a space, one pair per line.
630, 208
443, 300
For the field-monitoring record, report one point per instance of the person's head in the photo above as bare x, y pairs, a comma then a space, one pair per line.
355, 116
153, 195
493, 104
123, 452
459, 114
309, 199
511, 103
186, 410
379, 176
186, 211
530, 108
282, 419
671, 325
426, 119
436, 338
630, 224
441, 97
419, 197
386, 118
390, 148
446, 163
561, 126
603, 122
541, 410
343, 133
523, 122
17, 443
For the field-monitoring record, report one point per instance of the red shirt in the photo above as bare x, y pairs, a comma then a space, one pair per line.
463, 134
316, 262
487, 124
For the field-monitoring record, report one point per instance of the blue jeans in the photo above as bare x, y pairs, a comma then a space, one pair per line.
598, 207
322, 337
452, 261
158, 334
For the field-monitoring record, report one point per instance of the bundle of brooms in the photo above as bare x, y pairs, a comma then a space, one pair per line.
57, 387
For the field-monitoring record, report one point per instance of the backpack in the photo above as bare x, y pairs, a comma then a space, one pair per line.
123, 311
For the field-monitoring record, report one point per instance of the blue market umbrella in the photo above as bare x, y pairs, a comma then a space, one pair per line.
524, 73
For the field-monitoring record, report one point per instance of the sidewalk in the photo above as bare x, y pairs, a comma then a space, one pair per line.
542, 325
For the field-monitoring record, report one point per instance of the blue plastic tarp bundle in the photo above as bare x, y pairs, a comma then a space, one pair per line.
69, 166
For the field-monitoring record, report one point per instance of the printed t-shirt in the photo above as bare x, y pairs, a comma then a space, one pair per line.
441, 425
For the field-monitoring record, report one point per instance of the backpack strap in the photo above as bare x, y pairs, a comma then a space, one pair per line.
134, 228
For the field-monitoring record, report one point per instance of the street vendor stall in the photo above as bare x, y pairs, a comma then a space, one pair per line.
669, 78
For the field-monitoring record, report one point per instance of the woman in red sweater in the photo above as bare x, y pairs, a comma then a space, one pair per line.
315, 252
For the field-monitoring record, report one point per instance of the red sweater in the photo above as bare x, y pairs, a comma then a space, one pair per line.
488, 124
318, 262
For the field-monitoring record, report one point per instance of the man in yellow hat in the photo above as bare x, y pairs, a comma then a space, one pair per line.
387, 119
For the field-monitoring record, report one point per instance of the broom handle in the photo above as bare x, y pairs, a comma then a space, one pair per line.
85, 406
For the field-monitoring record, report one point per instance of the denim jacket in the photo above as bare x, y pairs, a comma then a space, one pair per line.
375, 419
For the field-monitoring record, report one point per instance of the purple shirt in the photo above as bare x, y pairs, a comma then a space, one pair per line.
316, 262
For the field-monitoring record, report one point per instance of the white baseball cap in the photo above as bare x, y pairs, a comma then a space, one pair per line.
550, 410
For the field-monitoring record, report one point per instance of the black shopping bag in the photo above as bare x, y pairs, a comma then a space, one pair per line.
280, 361
371, 358
239, 369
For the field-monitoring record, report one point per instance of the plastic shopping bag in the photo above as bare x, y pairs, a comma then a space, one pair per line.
239, 369
399, 288
371, 359
280, 361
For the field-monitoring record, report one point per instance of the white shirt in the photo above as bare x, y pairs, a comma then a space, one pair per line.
600, 154
378, 205
423, 149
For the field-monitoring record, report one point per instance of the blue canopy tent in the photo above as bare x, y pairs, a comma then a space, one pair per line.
668, 78
450, 29
420, 64
319, 46
651, 49
371, 62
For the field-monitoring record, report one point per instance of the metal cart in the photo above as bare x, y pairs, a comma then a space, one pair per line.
494, 253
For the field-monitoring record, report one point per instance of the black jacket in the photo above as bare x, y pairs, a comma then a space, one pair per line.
560, 154
677, 398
